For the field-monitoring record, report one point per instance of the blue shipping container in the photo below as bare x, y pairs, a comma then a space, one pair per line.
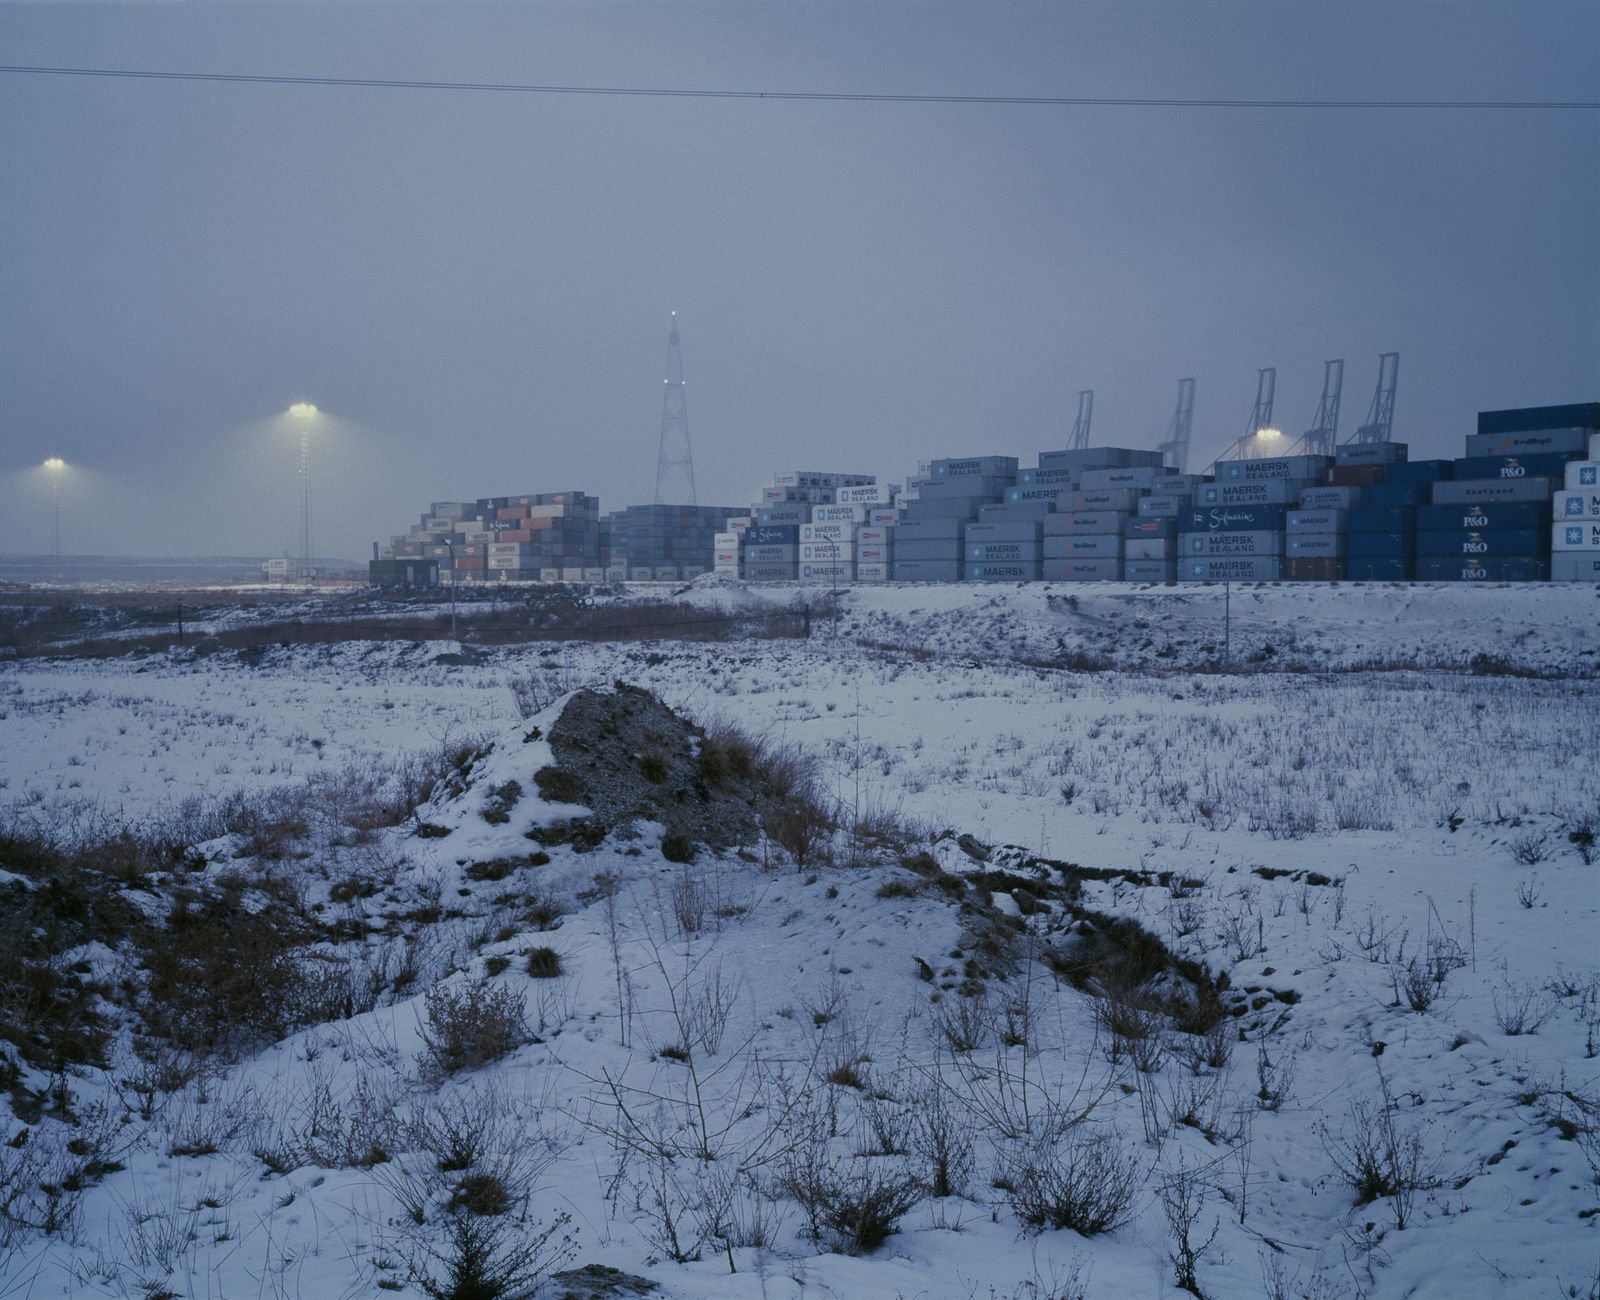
1399, 494
1487, 568
1420, 471
772, 535
1552, 464
1526, 418
1495, 514
1379, 569
1217, 519
1490, 541
1380, 546
1385, 519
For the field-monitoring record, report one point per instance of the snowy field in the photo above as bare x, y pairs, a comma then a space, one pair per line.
1342, 845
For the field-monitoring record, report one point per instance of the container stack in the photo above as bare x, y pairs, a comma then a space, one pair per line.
1491, 519
801, 529
1094, 494
665, 542
1237, 532
1333, 528
543, 537
1575, 534
930, 538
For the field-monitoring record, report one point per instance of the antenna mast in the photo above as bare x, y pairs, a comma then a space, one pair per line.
674, 460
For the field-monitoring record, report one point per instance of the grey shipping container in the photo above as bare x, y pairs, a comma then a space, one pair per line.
1045, 492
771, 554
1027, 571
1166, 505
1092, 569
1023, 531
872, 573
1372, 453
949, 508
1316, 521
1149, 548
991, 512
1458, 491
974, 466
768, 572
1084, 545
1230, 543
1330, 498
1316, 545
926, 570
997, 552
1120, 499
1575, 566
925, 530
985, 488
1149, 570
1085, 521
1525, 444
1130, 476
946, 548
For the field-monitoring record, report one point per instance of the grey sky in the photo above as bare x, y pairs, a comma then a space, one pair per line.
478, 285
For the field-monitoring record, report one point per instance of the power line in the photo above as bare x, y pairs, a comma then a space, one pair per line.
825, 96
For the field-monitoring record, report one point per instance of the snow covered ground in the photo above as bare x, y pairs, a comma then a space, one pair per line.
1353, 841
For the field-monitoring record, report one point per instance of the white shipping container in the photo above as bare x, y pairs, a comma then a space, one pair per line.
554, 575
571, 574
1577, 505
867, 572
725, 541
876, 494
1583, 475
1580, 535
594, 575
868, 535
883, 518
728, 559
873, 553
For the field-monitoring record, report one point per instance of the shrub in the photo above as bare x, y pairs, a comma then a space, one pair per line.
653, 767
1083, 1183
502, 799
854, 1204
544, 963
465, 1026
677, 848
557, 785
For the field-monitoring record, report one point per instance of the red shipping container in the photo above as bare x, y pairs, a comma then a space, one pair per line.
471, 562
511, 512
1356, 475
514, 535
1314, 568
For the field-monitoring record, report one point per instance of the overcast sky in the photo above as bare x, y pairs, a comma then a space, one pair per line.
476, 287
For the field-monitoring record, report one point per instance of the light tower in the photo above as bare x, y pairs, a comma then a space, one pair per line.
674, 461
304, 412
55, 465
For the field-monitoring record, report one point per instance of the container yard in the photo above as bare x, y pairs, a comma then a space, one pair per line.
1522, 504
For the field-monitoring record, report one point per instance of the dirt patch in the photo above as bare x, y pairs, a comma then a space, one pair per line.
627, 757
